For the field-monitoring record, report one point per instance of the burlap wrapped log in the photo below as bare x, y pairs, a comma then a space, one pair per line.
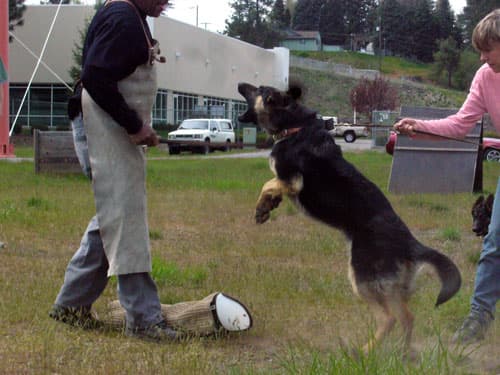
192, 317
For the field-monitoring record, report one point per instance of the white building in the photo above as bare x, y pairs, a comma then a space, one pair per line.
200, 75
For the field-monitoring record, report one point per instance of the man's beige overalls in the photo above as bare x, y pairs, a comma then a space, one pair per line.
118, 175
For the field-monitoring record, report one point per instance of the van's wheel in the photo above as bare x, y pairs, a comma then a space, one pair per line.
173, 150
227, 147
205, 149
349, 137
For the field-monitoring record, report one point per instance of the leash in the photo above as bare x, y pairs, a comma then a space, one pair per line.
430, 134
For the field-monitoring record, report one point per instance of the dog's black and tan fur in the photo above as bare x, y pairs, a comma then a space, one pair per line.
311, 171
481, 215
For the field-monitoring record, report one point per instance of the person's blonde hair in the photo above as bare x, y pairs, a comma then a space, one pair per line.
487, 31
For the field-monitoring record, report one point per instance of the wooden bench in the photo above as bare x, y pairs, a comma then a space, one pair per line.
55, 152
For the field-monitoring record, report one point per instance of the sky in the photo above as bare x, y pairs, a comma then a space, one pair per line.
213, 13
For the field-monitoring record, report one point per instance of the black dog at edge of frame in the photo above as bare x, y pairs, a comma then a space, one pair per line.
311, 171
481, 214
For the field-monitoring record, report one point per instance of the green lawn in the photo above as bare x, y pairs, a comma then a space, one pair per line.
291, 273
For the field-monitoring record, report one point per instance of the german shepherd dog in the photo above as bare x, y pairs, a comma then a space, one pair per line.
311, 171
481, 215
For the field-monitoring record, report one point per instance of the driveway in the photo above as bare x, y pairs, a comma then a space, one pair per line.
361, 144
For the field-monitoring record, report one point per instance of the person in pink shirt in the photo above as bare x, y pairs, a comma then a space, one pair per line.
483, 97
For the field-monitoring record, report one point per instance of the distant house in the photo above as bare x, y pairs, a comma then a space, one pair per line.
296, 40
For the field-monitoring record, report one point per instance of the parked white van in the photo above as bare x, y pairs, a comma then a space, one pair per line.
202, 135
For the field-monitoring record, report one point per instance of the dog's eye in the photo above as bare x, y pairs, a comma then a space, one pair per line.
269, 100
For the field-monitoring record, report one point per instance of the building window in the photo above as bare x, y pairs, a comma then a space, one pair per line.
184, 106
45, 106
160, 108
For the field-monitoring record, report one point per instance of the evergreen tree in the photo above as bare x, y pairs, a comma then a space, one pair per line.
468, 65
250, 22
331, 23
473, 12
447, 58
76, 69
425, 31
445, 19
392, 38
280, 16
16, 10
307, 15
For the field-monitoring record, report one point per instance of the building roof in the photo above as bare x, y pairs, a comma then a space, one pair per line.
302, 34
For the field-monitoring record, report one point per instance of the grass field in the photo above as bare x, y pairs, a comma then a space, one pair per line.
290, 272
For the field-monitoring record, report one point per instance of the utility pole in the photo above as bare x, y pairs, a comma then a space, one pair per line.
380, 36
6, 149
195, 7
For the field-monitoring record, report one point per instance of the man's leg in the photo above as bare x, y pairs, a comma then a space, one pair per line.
139, 297
84, 280
487, 283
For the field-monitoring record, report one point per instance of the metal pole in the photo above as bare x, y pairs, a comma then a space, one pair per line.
6, 149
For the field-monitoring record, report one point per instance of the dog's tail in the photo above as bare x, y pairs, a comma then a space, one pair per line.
447, 271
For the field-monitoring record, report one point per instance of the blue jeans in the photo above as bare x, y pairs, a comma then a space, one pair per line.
487, 285
86, 278
86, 275
81, 147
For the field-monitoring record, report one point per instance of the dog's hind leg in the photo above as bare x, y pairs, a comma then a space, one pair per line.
405, 318
385, 322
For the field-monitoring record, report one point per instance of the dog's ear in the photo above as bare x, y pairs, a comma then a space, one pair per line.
479, 201
489, 202
295, 91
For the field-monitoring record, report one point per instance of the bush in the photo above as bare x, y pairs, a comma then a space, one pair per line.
469, 64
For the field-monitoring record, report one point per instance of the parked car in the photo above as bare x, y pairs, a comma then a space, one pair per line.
491, 147
347, 131
201, 135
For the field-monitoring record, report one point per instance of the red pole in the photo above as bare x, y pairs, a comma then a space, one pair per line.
6, 149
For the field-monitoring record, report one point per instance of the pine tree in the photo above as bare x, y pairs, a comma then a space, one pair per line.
331, 23
447, 58
307, 15
473, 12
445, 19
16, 10
393, 32
279, 15
251, 23
424, 31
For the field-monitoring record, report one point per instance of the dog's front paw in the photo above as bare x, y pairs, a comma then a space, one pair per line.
264, 208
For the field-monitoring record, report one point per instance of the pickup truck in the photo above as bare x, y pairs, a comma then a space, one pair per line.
347, 131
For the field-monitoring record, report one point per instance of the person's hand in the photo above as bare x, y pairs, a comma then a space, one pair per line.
146, 136
405, 126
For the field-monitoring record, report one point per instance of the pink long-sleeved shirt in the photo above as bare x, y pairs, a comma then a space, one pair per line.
483, 97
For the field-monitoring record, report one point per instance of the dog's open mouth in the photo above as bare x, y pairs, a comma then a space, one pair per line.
274, 110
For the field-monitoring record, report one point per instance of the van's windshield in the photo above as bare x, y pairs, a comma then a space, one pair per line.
201, 125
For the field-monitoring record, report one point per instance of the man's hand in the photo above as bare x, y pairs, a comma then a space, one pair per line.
146, 136
405, 126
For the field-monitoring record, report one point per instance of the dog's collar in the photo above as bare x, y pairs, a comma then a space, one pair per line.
285, 133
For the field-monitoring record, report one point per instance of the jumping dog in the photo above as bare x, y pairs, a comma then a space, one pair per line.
310, 170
